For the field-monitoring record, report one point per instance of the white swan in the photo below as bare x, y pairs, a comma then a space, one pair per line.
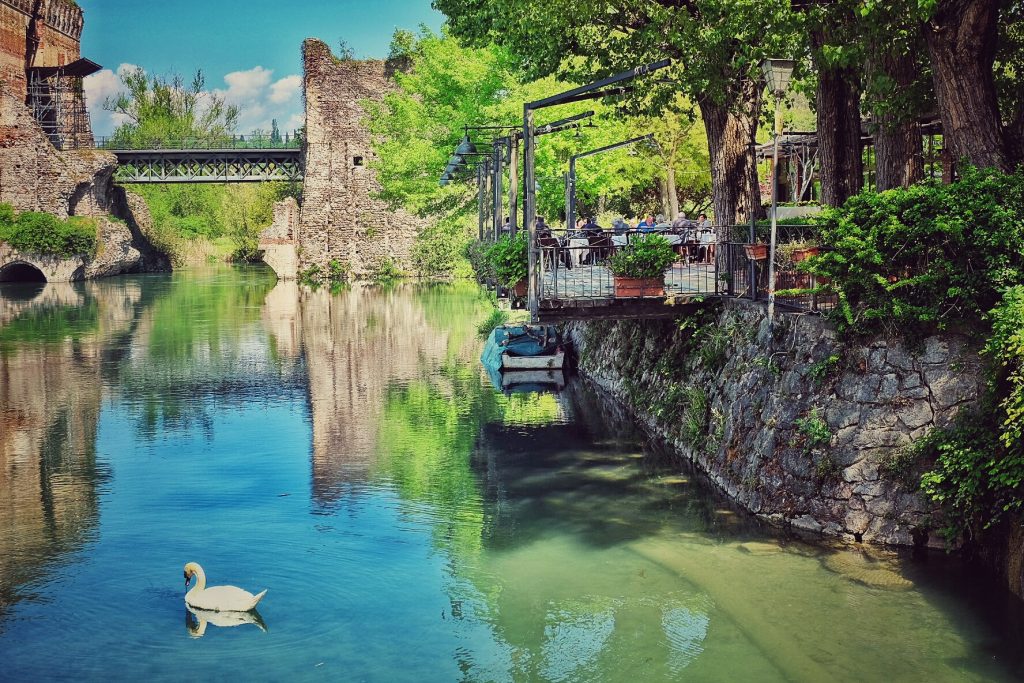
217, 598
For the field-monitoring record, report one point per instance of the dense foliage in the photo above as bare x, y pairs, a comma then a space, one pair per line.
646, 256
925, 258
508, 259
978, 471
41, 233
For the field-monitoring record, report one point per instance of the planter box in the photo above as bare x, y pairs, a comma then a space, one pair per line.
756, 252
639, 286
803, 254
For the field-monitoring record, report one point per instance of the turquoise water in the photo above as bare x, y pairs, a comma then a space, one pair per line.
345, 451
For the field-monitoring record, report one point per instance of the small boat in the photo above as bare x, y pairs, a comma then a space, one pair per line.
533, 354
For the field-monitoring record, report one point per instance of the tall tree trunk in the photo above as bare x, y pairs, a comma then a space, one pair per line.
962, 40
899, 160
731, 131
673, 196
839, 150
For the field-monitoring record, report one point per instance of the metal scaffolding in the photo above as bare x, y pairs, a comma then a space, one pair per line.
57, 100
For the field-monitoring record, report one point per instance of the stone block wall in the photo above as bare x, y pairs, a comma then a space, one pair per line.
340, 218
749, 397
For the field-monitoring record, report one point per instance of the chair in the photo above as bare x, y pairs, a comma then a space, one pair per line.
600, 248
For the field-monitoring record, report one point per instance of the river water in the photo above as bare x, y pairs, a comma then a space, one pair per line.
345, 451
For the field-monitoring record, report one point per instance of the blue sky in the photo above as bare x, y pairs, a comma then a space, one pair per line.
248, 49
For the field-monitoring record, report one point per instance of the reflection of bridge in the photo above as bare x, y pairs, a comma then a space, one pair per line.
229, 160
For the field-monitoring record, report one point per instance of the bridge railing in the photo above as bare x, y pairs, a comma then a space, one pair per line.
252, 141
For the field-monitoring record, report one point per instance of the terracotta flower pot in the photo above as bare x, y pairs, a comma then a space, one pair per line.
756, 252
519, 289
639, 286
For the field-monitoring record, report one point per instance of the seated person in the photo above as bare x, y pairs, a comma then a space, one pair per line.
648, 224
619, 226
681, 222
591, 228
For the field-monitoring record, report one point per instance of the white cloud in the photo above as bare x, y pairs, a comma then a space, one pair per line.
244, 86
99, 87
263, 100
285, 89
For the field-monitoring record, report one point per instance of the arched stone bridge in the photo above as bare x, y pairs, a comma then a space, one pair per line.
18, 267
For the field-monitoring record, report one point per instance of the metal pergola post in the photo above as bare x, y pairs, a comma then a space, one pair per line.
570, 184
513, 183
480, 199
499, 196
589, 91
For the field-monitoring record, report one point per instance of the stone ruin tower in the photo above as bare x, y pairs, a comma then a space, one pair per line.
340, 219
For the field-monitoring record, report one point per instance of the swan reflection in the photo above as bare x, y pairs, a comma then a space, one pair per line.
196, 620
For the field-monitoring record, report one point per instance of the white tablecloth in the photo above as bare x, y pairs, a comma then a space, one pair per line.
579, 248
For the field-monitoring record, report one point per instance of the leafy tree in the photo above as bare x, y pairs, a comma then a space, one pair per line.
716, 45
166, 109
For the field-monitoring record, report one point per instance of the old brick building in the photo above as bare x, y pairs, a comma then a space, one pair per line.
41, 65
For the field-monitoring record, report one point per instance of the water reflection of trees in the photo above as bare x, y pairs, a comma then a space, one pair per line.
197, 348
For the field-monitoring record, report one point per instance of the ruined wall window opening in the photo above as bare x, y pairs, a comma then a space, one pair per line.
357, 161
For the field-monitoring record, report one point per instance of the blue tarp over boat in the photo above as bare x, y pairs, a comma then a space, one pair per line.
517, 340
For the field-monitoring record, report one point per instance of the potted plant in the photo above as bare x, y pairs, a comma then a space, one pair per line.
756, 252
639, 267
508, 257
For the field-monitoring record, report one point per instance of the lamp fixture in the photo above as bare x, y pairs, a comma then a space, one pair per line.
777, 73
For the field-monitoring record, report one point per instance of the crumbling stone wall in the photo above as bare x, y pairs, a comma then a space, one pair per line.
340, 219
34, 176
279, 243
867, 404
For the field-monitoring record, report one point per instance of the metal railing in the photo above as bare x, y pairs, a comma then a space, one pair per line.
573, 266
223, 142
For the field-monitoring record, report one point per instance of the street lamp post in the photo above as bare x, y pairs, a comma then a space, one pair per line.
777, 73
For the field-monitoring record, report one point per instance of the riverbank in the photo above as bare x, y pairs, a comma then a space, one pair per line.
797, 428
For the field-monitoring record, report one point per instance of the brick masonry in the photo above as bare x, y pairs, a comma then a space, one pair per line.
340, 217
59, 34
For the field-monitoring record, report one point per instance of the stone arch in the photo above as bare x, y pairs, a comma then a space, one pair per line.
21, 271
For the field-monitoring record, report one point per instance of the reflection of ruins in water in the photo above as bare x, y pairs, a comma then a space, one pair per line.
357, 344
51, 363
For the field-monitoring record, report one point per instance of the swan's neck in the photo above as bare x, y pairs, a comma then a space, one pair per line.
200, 579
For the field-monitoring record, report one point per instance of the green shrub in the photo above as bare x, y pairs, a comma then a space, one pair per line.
508, 259
42, 233
385, 271
978, 471
338, 271
646, 256
440, 250
8, 216
475, 252
923, 258
813, 430
496, 318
